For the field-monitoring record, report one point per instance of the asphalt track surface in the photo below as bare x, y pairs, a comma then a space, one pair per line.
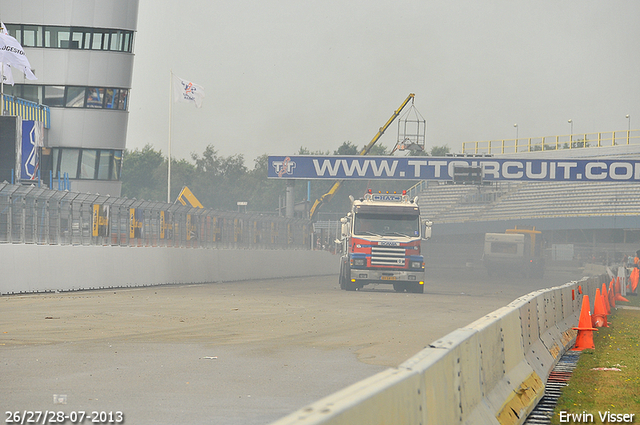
227, 353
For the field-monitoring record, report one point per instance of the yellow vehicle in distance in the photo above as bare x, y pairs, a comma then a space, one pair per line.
519, 250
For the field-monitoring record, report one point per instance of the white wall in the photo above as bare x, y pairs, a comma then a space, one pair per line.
38, 268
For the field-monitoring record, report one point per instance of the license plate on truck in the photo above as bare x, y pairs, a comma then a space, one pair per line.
388, 278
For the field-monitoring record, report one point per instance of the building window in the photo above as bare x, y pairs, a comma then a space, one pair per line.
104, 163
68, 163
75, 97
95, 97
32, 93
57, 37
87, 164
96, 44
53, 96
31, 36
76, 39
121, 99
116, 165
72, 96
86, 38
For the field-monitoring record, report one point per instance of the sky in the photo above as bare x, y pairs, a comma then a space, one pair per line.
281, 75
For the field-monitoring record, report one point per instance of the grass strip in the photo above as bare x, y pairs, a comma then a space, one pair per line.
592, 393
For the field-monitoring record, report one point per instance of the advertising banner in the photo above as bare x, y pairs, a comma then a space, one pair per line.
32, 139
100, 220
136, 217
442, 168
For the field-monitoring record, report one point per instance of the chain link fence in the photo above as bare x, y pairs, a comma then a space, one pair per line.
41, 216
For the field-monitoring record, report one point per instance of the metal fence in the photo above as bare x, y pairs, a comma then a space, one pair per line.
42, 216
553, 143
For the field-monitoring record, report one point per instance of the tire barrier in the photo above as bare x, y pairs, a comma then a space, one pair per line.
492, 371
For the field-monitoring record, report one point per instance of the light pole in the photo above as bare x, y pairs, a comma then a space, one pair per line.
628, 117
571, 130
516, 126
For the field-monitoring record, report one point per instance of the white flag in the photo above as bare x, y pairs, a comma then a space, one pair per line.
186, 91
12, 53
7, 75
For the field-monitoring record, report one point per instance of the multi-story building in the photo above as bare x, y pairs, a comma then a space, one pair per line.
81, 51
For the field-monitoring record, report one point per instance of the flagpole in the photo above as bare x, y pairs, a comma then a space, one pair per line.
2, 90
170, 118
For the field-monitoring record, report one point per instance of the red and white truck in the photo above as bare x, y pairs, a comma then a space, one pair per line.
381, 240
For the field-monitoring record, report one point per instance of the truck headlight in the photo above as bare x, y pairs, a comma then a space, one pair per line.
359, 262
416, 264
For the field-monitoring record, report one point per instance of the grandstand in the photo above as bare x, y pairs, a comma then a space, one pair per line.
534, 200
597, 217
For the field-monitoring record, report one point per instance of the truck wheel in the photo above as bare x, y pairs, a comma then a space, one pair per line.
343, 275
345, 278
349, 286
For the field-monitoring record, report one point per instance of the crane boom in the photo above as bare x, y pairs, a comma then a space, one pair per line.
187, 196
327, 196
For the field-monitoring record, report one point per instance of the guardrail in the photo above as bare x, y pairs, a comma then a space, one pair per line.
33, 215
548, 143
492, 371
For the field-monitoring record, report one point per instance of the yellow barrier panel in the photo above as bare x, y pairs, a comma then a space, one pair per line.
31, 111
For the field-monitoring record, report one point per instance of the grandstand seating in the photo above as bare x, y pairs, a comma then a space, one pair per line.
446, 203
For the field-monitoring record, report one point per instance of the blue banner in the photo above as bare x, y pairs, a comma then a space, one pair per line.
442, 168
32, 138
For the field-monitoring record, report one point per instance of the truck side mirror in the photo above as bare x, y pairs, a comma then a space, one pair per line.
345, 227
426, 234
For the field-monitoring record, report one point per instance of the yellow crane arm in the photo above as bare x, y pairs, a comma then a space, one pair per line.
327, 196
324, 198
186, 196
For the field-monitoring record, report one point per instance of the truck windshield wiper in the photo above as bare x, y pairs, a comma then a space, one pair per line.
396, 233
369, 233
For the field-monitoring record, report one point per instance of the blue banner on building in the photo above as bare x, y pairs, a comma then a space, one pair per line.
442, 168
32, 139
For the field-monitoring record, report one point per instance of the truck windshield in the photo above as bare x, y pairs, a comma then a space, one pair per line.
387, 225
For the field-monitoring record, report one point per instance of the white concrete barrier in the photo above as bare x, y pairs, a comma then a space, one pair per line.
40, 268
492, 371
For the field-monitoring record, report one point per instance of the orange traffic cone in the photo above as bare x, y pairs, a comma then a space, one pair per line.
619, 297
635, 274
603, 294
611, 295
584, 339
599, 316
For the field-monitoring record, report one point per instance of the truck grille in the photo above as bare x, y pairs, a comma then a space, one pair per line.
387, 256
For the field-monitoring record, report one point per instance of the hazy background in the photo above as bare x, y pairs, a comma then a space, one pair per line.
283, 74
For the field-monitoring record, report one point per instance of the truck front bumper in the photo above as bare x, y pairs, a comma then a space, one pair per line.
386, 276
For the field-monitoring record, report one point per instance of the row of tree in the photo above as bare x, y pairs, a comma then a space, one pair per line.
219, 182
